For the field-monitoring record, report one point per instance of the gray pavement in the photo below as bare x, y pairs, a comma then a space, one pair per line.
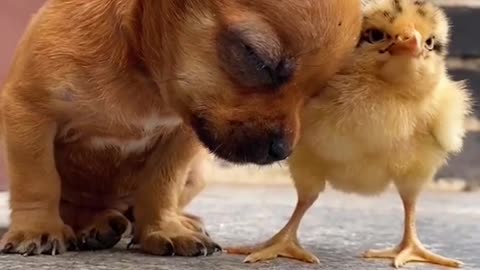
337, 230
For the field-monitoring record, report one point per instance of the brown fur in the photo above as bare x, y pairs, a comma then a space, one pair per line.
99, 106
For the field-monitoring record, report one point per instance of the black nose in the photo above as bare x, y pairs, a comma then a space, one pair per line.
279, 149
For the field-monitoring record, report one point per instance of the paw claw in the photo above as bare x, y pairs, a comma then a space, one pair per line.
217, 248
170, 250
55, 246
200, 250
178, 237
83, 239
8, 248
49, 239
132, 243
31, 250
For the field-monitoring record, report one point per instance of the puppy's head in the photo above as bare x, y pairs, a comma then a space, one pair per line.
240, 67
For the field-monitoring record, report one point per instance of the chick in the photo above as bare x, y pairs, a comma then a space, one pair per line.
392, 115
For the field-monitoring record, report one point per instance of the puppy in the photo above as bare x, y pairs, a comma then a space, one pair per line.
108, 103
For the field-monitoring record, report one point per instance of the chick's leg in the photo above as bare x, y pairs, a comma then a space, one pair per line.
285, 243
411, 249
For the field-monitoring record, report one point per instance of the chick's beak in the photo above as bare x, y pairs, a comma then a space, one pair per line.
407, 44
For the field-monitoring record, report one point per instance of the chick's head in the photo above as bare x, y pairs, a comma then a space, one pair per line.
403, 40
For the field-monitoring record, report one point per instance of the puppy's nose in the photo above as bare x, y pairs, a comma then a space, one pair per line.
279, 149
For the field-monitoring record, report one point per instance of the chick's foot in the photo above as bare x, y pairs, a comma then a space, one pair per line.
284, 243
277, 247
412, 251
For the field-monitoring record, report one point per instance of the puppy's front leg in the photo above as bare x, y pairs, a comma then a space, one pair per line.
36, 226
161, 227
195, 181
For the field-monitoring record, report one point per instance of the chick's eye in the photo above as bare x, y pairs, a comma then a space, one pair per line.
430, 43
375, 35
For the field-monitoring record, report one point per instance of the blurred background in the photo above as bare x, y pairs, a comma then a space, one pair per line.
463, 171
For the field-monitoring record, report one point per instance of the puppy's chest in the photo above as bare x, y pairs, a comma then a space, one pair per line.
131, 138
143, 135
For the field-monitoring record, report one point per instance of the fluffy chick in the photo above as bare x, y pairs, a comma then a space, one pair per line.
391, 115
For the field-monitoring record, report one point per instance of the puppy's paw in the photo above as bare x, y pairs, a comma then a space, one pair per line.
177, 236
35, 239
104, 232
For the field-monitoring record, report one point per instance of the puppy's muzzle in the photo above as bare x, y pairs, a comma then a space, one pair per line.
244, 143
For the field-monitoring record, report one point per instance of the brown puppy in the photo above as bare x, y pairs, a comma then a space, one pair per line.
106, 99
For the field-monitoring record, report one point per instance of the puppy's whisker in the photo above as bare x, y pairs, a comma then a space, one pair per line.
216, 149
244, 156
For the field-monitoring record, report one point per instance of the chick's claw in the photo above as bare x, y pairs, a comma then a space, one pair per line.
411, 253
285, 248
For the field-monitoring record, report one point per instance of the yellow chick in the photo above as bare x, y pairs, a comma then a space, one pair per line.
392, 115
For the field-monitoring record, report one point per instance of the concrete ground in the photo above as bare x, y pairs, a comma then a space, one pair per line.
337, 230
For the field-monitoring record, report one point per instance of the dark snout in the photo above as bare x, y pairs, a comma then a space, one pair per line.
266, 150
242, 144
280, 149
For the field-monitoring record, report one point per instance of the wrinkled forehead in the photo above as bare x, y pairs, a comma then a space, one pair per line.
393, 15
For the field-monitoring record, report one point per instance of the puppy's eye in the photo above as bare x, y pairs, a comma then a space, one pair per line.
273, 75
430, 43
255, 62
251, 64
375, 35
